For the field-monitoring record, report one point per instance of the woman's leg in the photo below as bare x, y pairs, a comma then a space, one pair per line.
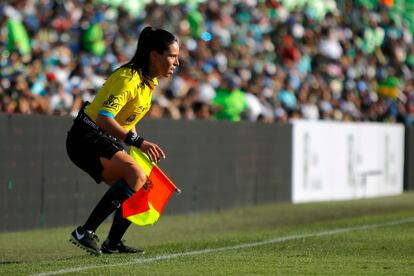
125, 177
135, 176
114, 243
123, 166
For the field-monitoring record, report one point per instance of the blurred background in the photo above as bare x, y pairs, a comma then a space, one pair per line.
273, 101
256, 60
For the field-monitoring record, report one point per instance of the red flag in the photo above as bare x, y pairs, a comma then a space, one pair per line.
146, 205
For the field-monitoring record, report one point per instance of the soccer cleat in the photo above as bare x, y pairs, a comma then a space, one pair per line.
87, 240
119, 247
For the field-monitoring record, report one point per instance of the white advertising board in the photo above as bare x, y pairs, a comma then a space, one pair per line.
339, 161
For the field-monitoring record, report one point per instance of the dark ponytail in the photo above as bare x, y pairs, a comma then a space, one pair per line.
150, 39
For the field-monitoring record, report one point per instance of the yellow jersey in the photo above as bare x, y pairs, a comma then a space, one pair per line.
124, 97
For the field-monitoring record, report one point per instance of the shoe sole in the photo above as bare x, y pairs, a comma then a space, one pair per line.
117, 252
107, 251
88, 249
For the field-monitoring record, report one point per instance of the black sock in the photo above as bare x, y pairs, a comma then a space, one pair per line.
118, 228
110, 201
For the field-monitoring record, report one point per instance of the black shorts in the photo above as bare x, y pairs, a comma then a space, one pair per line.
85, 145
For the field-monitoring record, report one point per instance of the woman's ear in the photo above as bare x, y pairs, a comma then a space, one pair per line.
153, 55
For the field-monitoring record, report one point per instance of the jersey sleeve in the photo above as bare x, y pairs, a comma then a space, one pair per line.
120, 91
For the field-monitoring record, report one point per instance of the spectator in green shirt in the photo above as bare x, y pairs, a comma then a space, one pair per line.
230, 101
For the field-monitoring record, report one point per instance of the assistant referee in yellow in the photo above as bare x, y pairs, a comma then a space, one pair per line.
95, 142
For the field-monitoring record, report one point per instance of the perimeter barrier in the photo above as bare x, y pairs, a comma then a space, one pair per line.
217, 165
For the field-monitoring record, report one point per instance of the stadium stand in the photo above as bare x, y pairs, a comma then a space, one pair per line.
353, 62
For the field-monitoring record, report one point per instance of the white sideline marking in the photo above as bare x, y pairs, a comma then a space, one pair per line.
226, 248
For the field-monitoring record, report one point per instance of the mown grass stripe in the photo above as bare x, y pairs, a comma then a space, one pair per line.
233, 247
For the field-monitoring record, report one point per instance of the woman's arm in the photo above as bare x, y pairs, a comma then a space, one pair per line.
111, 127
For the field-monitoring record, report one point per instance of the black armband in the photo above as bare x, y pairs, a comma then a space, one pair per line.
134, 139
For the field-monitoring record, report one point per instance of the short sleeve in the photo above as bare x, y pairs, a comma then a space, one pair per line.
120, 91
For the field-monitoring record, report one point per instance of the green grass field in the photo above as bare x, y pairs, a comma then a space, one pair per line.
364, 237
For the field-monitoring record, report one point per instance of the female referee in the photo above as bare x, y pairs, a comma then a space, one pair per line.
94, 141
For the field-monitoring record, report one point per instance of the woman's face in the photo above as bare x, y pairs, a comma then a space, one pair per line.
163, 65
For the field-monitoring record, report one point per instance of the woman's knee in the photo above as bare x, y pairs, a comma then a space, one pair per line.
137, 178
122, 166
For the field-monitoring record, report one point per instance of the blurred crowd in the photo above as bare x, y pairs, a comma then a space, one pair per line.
240, 60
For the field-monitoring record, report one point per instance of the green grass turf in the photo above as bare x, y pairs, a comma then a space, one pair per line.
384, 250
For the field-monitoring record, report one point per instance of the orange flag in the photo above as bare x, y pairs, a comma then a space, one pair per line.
146, 206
